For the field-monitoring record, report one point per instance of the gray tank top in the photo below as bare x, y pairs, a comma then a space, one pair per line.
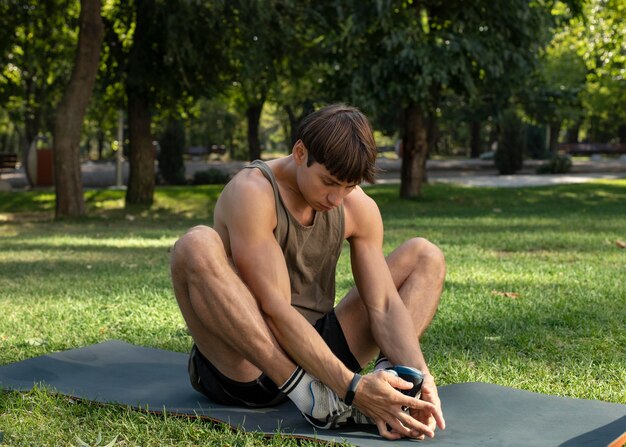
311, 253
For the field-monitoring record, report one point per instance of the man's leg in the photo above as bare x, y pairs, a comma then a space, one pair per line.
223, 317
231, 333
418, 271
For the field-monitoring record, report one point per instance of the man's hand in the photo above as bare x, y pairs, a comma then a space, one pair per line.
430, 394
378, 397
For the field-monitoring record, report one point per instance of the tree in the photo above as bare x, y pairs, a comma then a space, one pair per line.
162, 53
406, 53
509, 156
35, 55
264, 40
71, 111
599, 39
552, 94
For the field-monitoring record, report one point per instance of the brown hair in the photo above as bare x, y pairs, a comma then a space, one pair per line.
340, 138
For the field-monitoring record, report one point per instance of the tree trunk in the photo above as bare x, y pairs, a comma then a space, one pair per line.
571, 136
293, 127
295, 120
414, 152
71, 111
141, 179
621, 131
475, 140
253, 114
31, 125
100, 143
555, 129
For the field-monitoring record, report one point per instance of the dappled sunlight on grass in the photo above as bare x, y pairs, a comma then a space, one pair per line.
66, 241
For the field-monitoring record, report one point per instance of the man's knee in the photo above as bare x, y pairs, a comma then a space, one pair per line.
425, 254
196, 250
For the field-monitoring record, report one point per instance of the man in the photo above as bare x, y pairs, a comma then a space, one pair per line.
257, 289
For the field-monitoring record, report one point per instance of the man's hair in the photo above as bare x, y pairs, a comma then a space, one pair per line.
340, 138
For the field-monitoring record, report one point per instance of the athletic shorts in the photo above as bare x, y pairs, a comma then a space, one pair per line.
261, 392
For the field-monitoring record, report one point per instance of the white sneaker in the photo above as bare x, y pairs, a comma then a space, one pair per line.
328, 411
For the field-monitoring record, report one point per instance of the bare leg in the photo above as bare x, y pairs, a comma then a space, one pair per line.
418, 271
222, 315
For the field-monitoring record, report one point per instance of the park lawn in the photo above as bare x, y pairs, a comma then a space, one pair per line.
535, 296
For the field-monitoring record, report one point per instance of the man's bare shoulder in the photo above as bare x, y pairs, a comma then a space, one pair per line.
248, 193
359, 203
361, 213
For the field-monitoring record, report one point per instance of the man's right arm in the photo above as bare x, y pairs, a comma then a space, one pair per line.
247, 208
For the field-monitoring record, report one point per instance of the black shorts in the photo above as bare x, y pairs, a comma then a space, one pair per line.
261, 392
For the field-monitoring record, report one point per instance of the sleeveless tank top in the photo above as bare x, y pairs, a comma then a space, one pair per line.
311, 252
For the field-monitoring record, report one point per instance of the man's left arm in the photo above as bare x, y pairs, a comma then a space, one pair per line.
390, 322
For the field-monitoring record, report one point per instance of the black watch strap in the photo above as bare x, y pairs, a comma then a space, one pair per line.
352, 389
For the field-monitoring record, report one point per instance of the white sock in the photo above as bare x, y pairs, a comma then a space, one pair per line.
382, 363
297, 388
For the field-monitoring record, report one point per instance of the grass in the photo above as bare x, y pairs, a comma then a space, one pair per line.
534, 298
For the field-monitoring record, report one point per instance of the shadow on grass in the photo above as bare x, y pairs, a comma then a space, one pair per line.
451, 200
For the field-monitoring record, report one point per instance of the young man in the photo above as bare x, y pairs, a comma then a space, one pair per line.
257, 290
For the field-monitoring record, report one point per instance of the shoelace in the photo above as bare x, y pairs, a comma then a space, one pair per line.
336, 406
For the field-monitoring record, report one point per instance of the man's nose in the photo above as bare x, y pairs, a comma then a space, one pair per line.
335, 199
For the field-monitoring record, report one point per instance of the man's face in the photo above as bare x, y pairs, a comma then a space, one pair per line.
321, 189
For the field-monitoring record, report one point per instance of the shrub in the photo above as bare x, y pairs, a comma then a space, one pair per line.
559, 164
509, 157
211, 176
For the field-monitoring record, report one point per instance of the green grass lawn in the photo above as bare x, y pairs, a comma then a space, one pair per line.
535, 296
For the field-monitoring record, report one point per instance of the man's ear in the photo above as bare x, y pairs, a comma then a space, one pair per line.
300, 153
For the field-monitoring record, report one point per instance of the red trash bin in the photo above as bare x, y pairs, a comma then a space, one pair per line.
45, 168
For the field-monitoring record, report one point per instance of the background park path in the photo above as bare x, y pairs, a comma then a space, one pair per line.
468, 172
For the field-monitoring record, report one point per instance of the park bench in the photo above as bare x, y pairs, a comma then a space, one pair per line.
592, 148
7, 162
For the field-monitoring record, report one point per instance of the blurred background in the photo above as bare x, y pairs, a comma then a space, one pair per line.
225, 80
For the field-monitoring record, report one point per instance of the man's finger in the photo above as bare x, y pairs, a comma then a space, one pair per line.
415, 428
385, 433
397, 382
431, 413
437, 413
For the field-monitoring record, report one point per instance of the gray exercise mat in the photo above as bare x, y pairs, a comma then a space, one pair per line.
477, 414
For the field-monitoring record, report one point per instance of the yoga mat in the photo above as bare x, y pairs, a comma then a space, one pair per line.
477, 414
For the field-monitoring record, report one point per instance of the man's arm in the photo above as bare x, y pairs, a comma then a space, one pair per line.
391, 324
248, 211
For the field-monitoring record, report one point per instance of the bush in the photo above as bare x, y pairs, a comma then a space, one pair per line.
509, 157
560, 164
211, 176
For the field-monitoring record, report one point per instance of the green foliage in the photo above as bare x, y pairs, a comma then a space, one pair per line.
36, 55
580, 78
211, 176
167, 50
600, 41
172, 145
401, 51
559, 164
509, 157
